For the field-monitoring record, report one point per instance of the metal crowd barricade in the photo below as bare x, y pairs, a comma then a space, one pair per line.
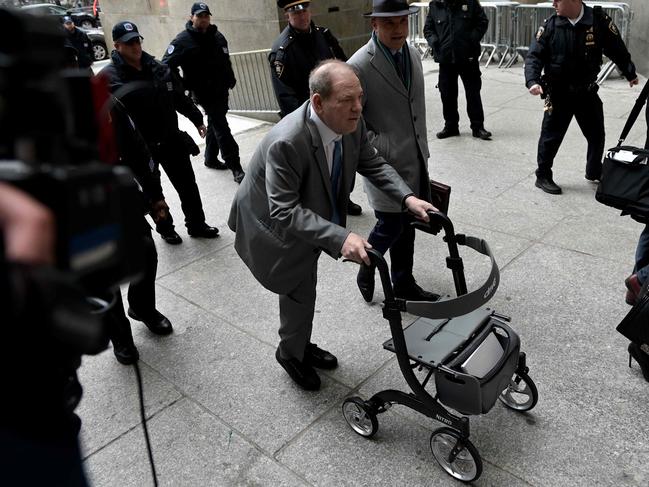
416, 29
498, 38
254, 90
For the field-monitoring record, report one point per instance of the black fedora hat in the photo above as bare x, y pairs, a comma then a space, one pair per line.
390, 8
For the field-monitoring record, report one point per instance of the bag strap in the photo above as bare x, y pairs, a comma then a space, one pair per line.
633, 116
461, 305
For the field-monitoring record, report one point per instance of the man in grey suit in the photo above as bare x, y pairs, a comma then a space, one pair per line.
292, 205
394, 109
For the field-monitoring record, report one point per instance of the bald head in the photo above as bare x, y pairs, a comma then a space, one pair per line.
336, 95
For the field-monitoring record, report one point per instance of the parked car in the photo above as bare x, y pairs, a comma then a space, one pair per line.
98, 43
81, 19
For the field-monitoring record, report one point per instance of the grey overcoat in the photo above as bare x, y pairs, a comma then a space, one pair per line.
396, 120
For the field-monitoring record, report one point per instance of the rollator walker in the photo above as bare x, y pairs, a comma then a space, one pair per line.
470, 349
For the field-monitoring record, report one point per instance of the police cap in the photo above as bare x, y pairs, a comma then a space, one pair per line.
199, 8
125, 31
293, 5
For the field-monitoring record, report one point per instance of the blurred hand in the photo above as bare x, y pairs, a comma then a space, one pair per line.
159, 211
634, 82
536, 90
354, 249
202, 131
419, 208
29, 227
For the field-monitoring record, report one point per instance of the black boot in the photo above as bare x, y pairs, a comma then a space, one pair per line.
547, 184
447, 132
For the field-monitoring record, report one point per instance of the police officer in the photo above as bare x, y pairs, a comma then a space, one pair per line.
132, 151
80, 41
152, 94
297, 50
453, 31
568, 51
202, 53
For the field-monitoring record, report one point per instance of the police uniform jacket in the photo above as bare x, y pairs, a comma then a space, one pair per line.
281, 212
133, 152
205, 60
81, 42
395, 115
151, 97
454, 29
292, 58
571, 56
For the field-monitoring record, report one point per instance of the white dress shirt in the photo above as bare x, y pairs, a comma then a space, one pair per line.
328, 137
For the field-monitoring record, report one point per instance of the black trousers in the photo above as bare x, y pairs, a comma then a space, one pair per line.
470, 74
141, 293
586, 107
177, 166
393, 231
219, 136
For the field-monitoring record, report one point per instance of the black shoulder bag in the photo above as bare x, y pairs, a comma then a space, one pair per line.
624, 183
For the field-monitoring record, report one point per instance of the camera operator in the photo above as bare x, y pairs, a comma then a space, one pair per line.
38, 429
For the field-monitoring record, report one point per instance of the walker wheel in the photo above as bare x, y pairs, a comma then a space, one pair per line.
521, 393
458, 457
360, 417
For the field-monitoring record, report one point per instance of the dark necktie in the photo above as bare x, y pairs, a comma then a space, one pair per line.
336, 170
398, 61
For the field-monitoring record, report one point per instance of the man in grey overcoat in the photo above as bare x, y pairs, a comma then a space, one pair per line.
292, 205
394, 109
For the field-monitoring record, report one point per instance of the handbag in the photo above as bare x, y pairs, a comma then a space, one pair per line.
635, 325
188, 143
624, 183
440, 195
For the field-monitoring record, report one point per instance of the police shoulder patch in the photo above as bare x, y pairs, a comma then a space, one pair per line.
539, 32
225, 50
279, 68
613, 28
171, 48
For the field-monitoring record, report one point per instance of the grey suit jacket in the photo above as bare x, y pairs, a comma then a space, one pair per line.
281, 211
396, 120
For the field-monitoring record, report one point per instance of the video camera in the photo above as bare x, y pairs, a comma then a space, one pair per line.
49, 147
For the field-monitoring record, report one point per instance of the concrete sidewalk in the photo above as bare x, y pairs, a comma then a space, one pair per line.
222, 412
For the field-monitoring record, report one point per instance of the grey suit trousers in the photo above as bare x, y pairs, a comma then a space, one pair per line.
296, 310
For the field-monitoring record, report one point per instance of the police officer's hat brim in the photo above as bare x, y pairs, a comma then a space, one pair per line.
398, 13
202, 11
294, 6
128, 36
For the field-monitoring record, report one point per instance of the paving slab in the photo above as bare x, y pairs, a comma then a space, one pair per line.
191, 447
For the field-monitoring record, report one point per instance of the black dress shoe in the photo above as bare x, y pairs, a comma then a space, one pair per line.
219, 164
204, 231
303, 374
319, 358
412, 292
125, 353
547, 185
156, 322
447, 132
171, 237
353, 209
238, 175
365, 281
481, 133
